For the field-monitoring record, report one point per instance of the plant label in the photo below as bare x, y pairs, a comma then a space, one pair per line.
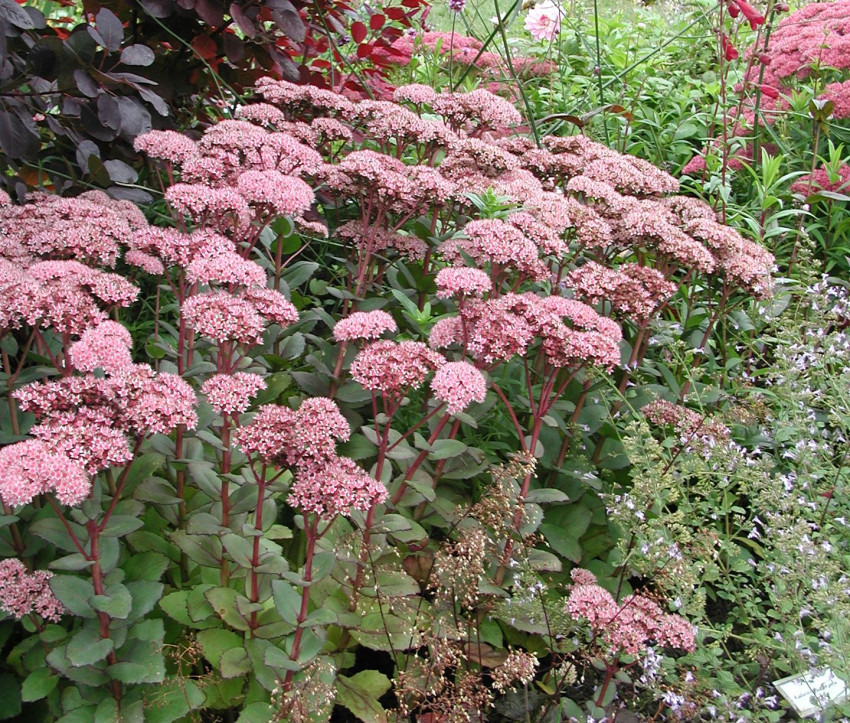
810, 693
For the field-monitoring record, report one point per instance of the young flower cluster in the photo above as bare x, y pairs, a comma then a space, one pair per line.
305, 440
629, 627
520, 667
23, 592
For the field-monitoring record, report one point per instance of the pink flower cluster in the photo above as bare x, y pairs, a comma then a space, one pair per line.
499, 244
241, 317
232, 393
367, 325
32, 468
629, 627
569, 332
90, 419
105, 346
305, 440
66, 296
821, 179
460, 281
391, 368
23, 592
634, 291
458, 384
90, 228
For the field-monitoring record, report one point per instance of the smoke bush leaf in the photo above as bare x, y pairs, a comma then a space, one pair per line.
110, 28
137, 55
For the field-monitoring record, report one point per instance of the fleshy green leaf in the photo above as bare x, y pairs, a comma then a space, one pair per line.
38, 684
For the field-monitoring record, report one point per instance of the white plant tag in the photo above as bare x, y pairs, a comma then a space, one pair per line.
809, 693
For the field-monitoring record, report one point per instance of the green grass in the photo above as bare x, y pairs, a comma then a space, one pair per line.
478, 13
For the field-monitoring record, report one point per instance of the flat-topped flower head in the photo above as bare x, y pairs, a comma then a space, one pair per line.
498, 243
479, 108
643, 225
262, 114
335, 487
391, 367
273, 306
232, 393
631, 175
369, 325
94, 445
66, 296
105, 346
461, 281
167, 146
458, 384
221, 208
23, 592
154, 402
225, 268
416, 93
634, 291
279, 435
297, 100
85, 228
31, 468
222, 317
274, 192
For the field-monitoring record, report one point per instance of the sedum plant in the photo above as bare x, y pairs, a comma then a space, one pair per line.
340, 453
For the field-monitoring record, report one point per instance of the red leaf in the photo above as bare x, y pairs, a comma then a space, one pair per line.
411, 3
205, 47
364, 50
321, 63
358, 32
376, 22
395, 13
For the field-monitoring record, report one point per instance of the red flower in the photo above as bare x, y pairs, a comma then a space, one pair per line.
749, 13
728, 49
